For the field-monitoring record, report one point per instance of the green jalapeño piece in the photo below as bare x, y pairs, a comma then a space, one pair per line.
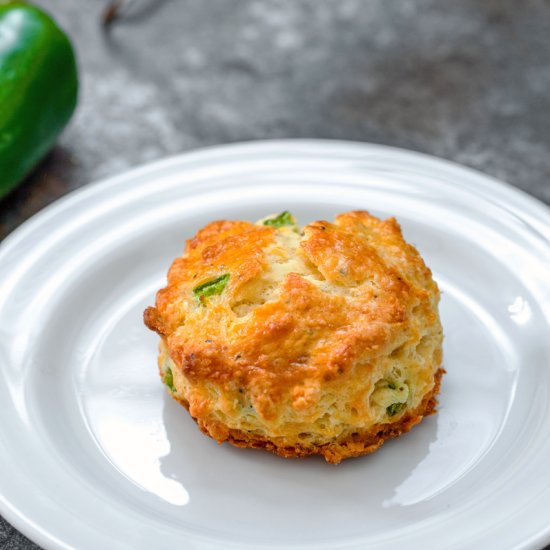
169, 379
282, 219
395, 408
211, 288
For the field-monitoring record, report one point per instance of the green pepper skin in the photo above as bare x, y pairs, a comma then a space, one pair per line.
38, 88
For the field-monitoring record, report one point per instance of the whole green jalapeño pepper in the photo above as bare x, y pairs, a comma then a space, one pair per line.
38, 88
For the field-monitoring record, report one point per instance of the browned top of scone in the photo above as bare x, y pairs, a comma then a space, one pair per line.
299, 309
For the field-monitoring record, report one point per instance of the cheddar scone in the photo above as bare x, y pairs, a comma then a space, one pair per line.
321, 340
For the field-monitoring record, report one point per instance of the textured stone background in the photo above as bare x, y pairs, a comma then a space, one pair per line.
468, 81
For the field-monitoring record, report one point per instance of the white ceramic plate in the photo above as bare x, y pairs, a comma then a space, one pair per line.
94, 454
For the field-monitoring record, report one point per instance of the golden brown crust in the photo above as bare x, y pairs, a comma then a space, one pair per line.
359, 443
153, 320
307, 324
291, 328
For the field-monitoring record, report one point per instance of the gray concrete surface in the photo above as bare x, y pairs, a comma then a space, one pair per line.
467, 81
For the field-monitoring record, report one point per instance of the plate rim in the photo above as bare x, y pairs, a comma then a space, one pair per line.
535, 205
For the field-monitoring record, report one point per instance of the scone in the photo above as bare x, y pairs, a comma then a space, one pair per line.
323, 340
